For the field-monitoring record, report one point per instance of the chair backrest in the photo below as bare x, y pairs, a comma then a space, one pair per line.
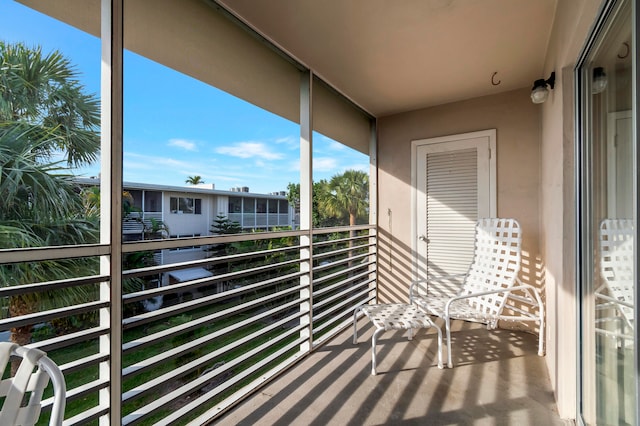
495, 265
616, 262
16, 410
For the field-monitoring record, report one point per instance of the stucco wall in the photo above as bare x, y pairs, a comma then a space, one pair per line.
517, 122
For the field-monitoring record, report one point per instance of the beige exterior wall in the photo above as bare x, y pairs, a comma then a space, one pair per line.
517, 122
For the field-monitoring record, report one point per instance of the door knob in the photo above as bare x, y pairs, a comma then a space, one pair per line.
423, 238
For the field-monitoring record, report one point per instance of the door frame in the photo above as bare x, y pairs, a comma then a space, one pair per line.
489, 133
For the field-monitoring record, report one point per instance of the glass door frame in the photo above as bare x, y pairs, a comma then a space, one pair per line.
583, 155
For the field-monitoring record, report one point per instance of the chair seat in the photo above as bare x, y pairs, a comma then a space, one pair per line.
460, 309
398, 316
394, 316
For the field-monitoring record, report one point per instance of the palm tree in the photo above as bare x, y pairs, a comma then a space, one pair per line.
44, 114
194, 180
347, 195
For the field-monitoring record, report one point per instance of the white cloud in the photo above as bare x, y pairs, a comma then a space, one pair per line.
291, 141
183, 143
324, 164
249, 150
336, 146
148, 162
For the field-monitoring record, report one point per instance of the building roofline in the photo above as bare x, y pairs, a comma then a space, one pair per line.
183, 189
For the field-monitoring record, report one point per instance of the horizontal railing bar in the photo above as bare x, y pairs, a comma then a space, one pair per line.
67, 340
130, 247
348, 322
342, 261
85, 362
70, 339
38, 317
318, 281
51, 285
147, 317
186, 409
365, 244
144, 365
40, 254
357, 241
86, 416
339, 295
157, 269
85, 389
165, 334
347, 280
337, 307
334, 229
230, 401
144, 411
184, 287
201, 282
191, 366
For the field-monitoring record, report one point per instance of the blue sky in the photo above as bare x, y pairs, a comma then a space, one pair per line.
176, 127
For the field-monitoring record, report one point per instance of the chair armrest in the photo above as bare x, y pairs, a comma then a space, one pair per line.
482, 293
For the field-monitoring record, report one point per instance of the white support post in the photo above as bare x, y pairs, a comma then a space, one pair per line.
306, 195
111, 205
373, 208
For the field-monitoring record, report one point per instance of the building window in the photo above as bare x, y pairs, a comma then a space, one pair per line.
235, 205
184, 205
152, 201
261, 206
184, 236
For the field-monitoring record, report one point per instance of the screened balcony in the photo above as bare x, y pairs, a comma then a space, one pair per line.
143, 340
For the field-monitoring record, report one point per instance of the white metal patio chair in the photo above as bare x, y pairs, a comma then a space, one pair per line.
614, 297
492, 278
30, 384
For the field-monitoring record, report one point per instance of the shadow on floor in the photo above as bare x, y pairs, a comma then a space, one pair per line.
498, 379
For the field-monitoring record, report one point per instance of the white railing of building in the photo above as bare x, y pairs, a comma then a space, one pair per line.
192, 348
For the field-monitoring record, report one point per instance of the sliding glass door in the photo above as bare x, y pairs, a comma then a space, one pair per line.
608, 221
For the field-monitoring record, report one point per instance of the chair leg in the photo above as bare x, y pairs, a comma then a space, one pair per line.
355, 324
439, 346
374, 340
541, 333
447, 323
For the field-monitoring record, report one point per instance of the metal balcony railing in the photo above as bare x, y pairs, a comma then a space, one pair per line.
197, 335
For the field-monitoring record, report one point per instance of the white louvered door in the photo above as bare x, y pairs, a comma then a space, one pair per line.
455, 185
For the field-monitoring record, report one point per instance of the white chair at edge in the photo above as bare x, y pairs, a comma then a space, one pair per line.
31, 384
492, 278
614, 297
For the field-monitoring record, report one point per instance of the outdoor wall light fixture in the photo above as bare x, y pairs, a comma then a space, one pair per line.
599, 81
541, 87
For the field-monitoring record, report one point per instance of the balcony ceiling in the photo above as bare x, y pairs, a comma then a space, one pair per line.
391, 57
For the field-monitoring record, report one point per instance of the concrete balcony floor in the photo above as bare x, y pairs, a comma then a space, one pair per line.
497, 379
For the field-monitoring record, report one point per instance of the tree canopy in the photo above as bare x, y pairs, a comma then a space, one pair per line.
48, 124
345, 197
